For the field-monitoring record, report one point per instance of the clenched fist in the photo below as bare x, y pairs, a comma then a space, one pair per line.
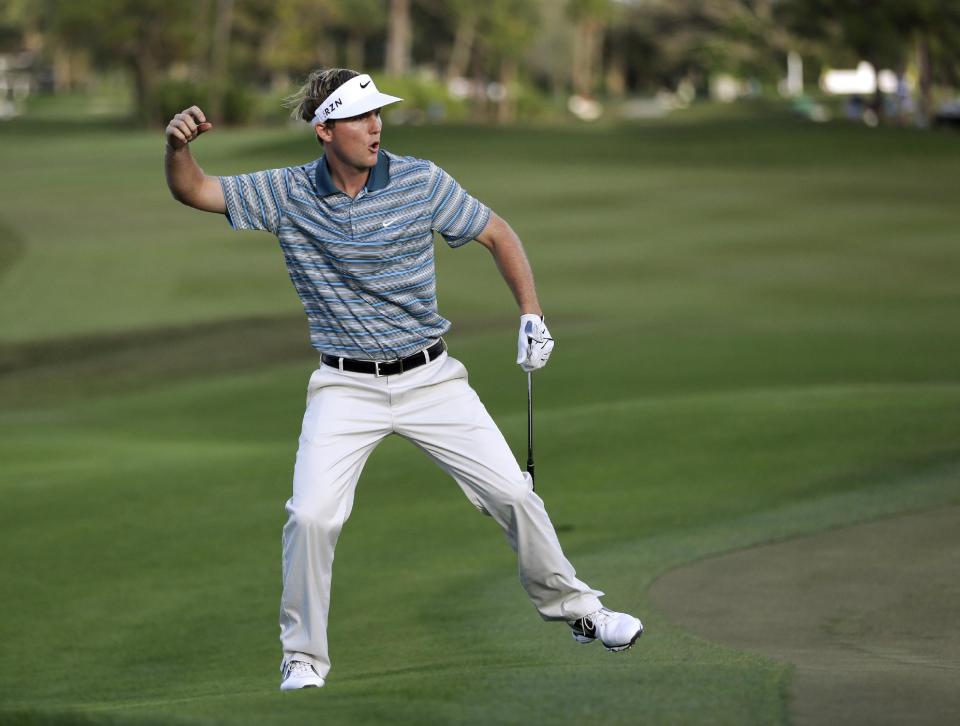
186, 126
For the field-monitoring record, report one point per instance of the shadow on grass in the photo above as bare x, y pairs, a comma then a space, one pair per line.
76, 367
12, 247
69, 718
48, 127
52, 371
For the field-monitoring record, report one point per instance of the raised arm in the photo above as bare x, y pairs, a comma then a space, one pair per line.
186, 179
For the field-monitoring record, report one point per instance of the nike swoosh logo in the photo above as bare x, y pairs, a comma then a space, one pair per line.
388, 222
364, 85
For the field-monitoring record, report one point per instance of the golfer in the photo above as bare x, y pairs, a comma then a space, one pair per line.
356, 228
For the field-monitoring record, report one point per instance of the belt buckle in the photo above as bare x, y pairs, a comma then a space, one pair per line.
376, 367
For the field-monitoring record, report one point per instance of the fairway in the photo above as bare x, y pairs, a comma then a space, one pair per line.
756, 341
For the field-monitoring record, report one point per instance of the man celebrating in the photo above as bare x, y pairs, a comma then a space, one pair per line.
356, 227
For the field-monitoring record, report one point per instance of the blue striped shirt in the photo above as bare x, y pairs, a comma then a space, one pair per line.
363, 267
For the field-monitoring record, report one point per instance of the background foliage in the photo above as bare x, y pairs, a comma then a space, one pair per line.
502, 53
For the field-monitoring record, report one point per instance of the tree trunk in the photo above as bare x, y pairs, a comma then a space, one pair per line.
877, 103
200, 49
462, 46
925, 100
616, 76
63, 76
398, 38
506, 108
355, 52
219, 60
145, 85
478, 95
576, 60
596, 54
587, 50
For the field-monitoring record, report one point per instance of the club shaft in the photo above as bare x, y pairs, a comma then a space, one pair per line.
530, 427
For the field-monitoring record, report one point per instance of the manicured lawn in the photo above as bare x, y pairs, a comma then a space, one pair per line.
756, 338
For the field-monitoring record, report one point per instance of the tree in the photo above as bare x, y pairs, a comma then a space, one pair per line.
590, 19
930, 33
885, 33
506, 28
466, 16
745, 39
219, 59
399, 38
298, 38
663, 43
360, 21
145, 36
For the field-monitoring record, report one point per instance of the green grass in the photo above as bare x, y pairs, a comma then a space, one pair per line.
756, 325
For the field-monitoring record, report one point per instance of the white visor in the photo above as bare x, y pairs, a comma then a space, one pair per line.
353, 98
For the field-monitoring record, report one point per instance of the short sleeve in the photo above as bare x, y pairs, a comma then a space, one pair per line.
456, 215
257, 200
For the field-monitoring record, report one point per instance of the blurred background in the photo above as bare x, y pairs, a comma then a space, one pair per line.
884, 61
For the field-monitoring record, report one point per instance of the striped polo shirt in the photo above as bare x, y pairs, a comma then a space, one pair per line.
363, 266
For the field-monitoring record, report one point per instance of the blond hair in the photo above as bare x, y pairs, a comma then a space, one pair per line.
319, 84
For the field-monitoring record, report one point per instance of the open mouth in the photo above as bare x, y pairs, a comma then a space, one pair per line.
374, 146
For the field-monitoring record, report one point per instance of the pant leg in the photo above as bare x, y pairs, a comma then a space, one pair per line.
441, 414
347, 416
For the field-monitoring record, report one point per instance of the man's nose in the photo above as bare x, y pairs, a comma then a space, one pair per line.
375, 123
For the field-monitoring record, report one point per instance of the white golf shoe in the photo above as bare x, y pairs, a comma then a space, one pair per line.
617, 631
299, 674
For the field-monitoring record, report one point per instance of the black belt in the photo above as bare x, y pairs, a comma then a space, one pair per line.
385, 367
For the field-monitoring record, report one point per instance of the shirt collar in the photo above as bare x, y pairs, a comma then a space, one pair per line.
378, 179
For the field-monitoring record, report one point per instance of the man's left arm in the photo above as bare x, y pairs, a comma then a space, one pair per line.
535, 343
507, 251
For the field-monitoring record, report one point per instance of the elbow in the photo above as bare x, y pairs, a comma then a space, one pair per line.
184, 196
191, 191
177, 191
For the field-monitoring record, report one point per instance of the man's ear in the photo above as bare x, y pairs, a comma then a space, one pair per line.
324, 133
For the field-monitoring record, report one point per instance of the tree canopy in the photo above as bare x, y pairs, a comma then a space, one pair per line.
593, 48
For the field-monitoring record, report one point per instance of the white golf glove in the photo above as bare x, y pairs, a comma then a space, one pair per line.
534, 344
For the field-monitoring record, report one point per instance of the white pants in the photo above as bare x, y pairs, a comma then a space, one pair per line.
433, 406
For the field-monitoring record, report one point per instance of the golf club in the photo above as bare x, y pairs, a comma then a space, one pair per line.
530, 428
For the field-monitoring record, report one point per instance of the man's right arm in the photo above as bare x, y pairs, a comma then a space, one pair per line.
186, 179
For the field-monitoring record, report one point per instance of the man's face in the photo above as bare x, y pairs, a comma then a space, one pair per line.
354, 141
